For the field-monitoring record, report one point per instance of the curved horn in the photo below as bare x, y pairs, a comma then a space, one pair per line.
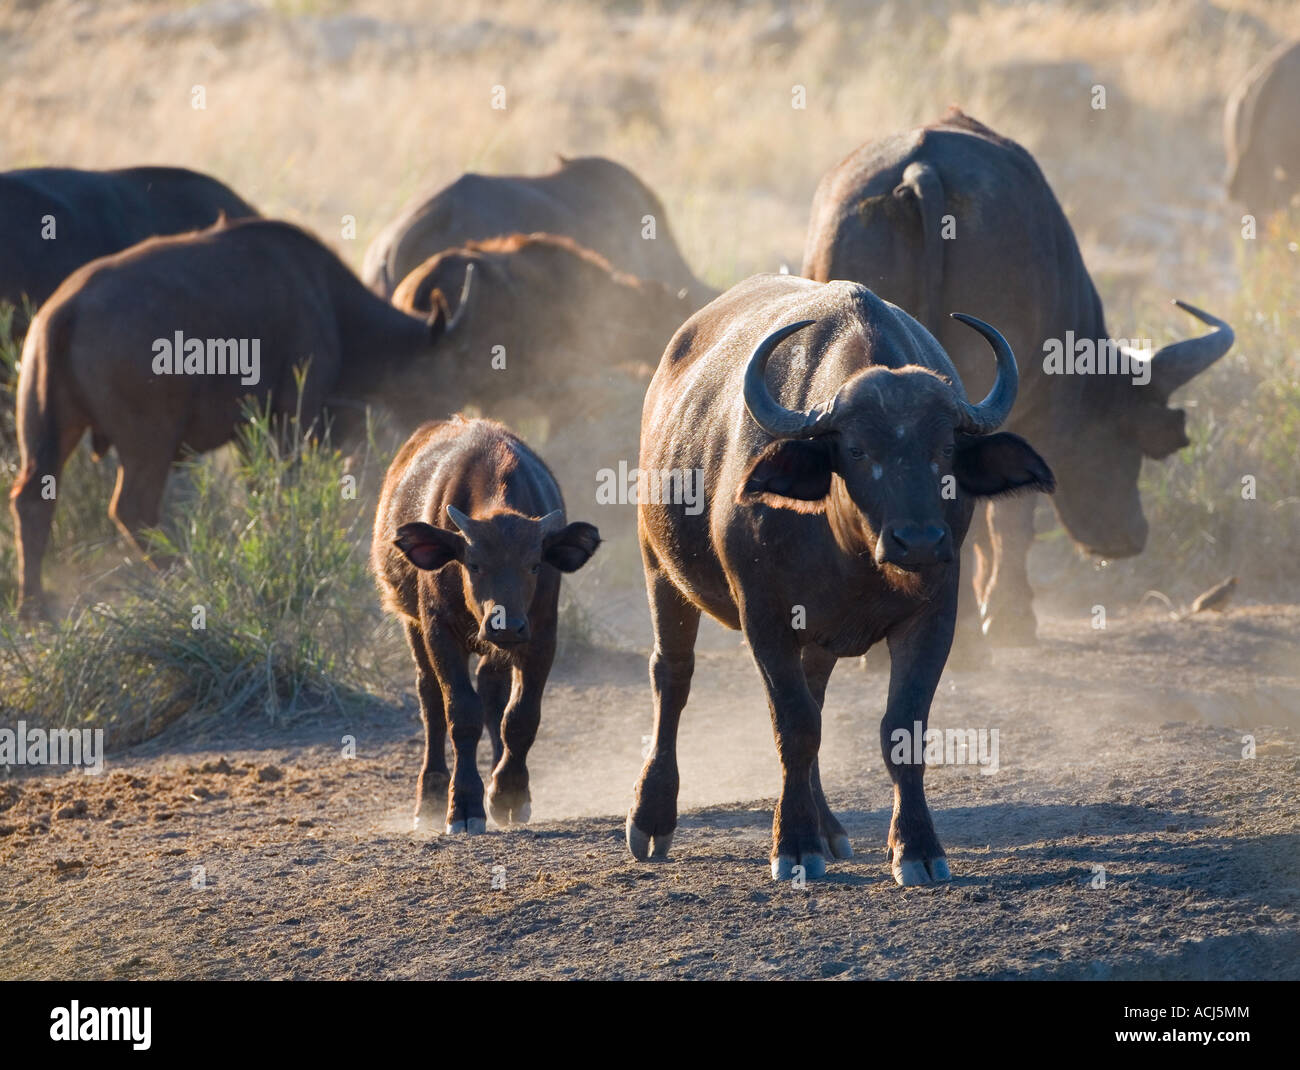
463, 304
772, 417
551, 522
458, 518
1174, 365
993, 411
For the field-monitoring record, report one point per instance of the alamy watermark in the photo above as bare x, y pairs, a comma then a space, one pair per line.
1091, 356
952, 746
54, 746
667, 486
179, 355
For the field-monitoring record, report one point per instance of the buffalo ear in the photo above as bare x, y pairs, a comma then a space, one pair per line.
429, 548
1161, 431
788, 474
988, 466
570, 548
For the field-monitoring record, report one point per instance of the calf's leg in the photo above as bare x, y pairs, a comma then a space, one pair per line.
464, 711
431, 787
653, 817
508, 798
494, 692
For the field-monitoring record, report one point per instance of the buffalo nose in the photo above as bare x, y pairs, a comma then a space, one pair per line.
914, 544
505, 631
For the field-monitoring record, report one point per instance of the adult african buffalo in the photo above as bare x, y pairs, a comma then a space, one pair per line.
882, 218
154, 349
837, 499
596, 202
1261, 134
469, 543
54, 219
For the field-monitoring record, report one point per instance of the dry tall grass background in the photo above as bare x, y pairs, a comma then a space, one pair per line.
321, 112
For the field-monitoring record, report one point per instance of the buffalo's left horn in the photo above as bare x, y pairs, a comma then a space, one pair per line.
992, 412
766, 411
1177, 363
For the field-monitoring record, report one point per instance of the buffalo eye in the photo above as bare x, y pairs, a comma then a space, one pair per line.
474, 568
535, 569
856, 452
947, 451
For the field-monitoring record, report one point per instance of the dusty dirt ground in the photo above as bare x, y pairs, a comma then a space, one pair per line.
1120, 749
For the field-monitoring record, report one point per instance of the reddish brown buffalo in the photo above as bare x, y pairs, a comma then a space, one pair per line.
469, 543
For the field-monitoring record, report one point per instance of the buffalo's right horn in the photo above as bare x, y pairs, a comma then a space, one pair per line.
769, 414
465, 292
992, 412
1179, 362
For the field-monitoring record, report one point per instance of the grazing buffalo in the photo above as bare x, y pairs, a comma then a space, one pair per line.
154, 349
1261, 135
840, 475
955, 216
550, 332
596, 202
470, 540
54, 219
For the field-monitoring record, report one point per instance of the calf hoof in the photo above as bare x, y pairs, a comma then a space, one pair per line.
470, 826
839, 846
516, 812
921, 871
783, 866
645, 846
429, 816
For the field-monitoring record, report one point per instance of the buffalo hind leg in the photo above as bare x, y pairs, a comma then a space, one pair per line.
33, 512
653, 817
817, 667
137, 498
431, 788
918, 650
1008, 599
508, 799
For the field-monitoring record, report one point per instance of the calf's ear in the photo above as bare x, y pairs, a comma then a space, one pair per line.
570, 548
789, 474
988, 466
428, 547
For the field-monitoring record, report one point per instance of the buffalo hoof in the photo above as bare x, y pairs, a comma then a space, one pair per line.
783, 866
840, 847
918, 871
470, 826
429, 817
644, 846
509, 808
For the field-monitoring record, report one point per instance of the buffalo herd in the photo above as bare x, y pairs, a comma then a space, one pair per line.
861, 444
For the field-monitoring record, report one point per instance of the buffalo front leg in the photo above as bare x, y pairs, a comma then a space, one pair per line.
508, 797
464, 713
817, 667
137, 498
431, 788
653, 817
1008, 600
494, 692
918, 650
796, 723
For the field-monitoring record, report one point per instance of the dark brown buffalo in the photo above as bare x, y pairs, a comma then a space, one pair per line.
880, 217
1261, 134
841, 468
470, 540
54, 219
596, 202
93, 360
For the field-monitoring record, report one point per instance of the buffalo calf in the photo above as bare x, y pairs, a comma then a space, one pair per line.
469, 543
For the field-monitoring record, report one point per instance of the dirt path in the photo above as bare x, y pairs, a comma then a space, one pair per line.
1121, 749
